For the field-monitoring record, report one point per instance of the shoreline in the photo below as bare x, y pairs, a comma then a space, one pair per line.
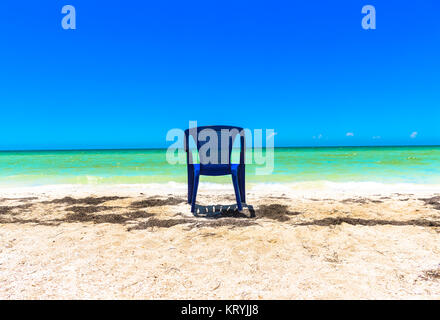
296, 189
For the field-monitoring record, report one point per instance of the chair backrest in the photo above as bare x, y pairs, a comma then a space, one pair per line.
214, 143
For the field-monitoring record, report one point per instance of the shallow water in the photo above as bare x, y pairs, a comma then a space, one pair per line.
340, 164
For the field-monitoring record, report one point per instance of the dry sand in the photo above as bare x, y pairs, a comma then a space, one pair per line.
334, 241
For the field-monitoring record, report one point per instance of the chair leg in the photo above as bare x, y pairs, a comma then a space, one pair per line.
237, 190
242, 182
194, 192
190, 170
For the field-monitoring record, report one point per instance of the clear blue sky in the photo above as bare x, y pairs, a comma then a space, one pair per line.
132, 70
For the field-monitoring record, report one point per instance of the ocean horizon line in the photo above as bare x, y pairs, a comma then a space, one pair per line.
280, 147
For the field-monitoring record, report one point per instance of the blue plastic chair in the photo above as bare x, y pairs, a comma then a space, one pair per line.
216, 165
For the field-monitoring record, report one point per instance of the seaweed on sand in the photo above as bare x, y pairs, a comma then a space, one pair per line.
433, 201
156, 202
192, 223
87, 200
277, 212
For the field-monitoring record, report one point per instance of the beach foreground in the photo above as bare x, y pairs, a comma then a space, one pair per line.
334, 241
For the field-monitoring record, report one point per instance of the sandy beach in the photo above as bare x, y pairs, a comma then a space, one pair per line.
297, 241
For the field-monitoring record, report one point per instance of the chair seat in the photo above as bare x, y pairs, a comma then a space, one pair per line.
215, 169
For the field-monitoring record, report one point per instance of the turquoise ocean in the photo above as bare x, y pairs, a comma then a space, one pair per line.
419, 165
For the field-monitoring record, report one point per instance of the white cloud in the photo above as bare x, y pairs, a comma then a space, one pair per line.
377, 137
414, 135
349, 134
318, 137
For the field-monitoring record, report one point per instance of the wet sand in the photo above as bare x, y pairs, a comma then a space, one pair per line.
291, 242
